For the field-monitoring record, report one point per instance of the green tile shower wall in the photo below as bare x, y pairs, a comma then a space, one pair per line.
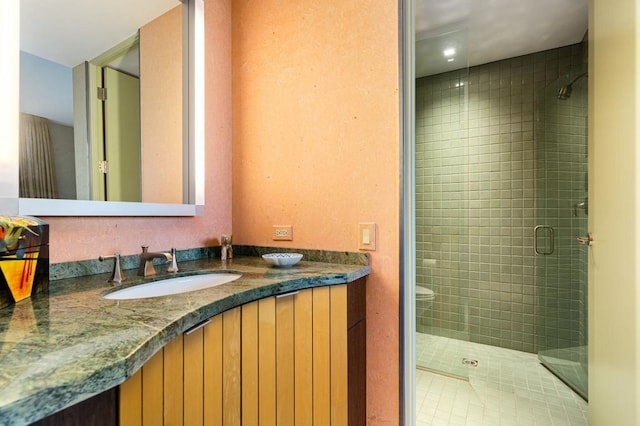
476, 197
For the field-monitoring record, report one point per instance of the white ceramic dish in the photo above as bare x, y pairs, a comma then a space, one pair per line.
283, 260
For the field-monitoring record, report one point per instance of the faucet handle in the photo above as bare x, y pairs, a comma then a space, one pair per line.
173, 266
117, 276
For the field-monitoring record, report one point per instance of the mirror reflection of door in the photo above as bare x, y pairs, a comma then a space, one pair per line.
121, 114
113, 117
58, 82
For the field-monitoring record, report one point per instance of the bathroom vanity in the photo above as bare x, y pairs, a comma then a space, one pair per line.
283, 344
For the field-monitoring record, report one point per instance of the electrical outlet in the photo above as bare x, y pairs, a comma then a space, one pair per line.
367, 236
282, 233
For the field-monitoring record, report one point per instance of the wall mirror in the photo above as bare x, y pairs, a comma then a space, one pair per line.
111, 108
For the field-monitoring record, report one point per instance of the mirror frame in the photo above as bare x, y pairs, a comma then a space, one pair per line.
193, 134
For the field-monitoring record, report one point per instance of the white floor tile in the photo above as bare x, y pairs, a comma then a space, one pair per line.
506, 388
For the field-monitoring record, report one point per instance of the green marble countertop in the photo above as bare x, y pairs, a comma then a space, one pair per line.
60, 348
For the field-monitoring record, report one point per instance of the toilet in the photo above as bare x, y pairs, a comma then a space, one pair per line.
424, 297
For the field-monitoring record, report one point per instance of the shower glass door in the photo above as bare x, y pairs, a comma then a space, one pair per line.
562, 210
442, 206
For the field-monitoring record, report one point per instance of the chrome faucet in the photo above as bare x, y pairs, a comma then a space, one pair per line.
146, 268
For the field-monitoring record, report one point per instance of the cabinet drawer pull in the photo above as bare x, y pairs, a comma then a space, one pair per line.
292, 293
197, 326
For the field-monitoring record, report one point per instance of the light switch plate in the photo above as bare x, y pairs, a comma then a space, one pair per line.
367, 236
282, 233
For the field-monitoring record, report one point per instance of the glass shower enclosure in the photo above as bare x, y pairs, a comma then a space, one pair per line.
501, 157
442, 214
562, 209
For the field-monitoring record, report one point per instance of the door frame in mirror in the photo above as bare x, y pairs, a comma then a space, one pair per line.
11, 204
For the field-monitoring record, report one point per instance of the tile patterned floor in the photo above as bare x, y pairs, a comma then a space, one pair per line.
506, 388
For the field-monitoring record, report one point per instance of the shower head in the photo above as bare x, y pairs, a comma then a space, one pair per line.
565, 91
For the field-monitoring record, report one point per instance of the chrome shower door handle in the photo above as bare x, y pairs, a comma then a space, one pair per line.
551, 240
588, 240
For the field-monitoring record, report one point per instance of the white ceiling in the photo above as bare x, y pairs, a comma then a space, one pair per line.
71, 31
484, 31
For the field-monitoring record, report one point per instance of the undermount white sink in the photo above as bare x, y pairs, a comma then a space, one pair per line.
172, 286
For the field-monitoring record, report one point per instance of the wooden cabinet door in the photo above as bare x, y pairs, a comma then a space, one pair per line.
194, 380
277, 361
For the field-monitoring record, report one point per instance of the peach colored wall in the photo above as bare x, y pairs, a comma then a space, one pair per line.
316, 145
161, 108
74, 238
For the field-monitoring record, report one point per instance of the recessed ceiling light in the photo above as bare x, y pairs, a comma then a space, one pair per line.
449, 52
